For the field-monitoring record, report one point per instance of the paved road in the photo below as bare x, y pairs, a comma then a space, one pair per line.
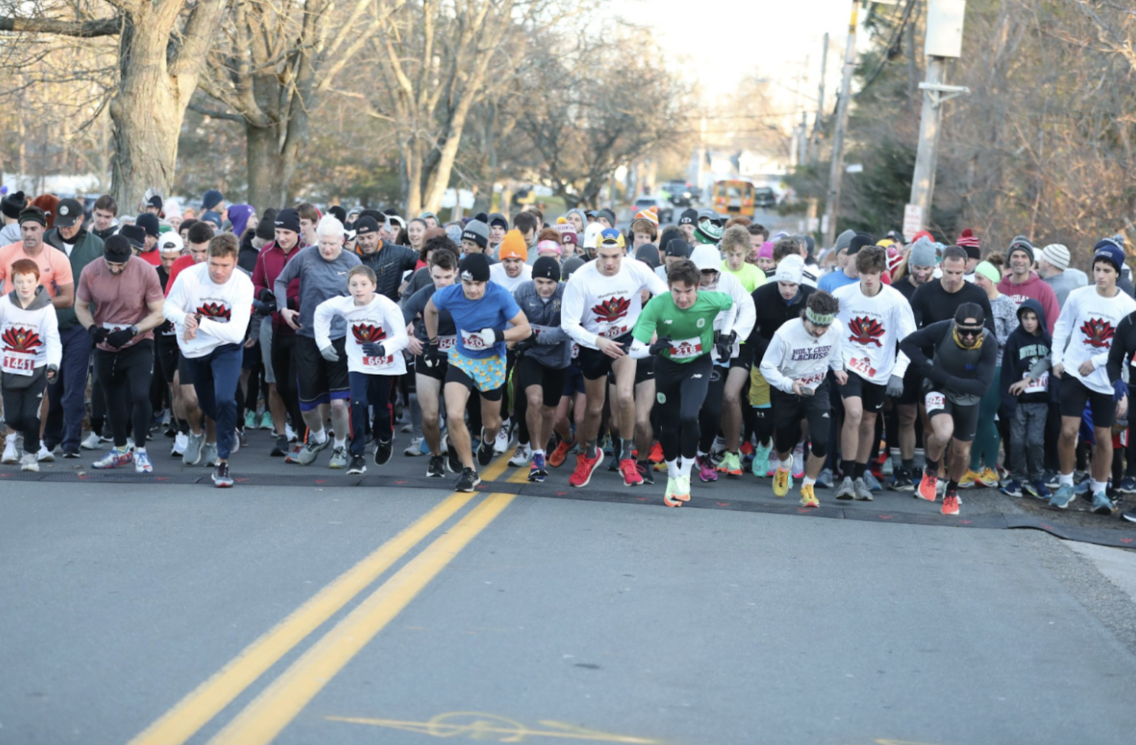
399, 614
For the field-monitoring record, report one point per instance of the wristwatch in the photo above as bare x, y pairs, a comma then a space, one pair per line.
134, 330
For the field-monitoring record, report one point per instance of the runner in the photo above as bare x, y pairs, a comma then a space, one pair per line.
127, 306
511, 271
374, 359
211, 305
388, 262
429, 375
796, 365
1082, 338
681, 321
543, 358
481, 310
957, 360
324, 384
30, 353
602, 302
876, 317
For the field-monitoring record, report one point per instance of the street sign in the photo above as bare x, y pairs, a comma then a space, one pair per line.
912, 221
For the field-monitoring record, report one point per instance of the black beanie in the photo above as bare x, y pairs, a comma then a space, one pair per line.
266, 228
546, 267
475, 268
12, 204
339, 213
677, 247
648, 253
859, 241
288, 219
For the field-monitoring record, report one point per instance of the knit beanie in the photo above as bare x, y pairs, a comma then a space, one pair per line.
1020, 243
922, 253
790, 269
476, 231
1108, 250
648, 253
12, 204
858, 241
844, 240
766, 250
513, 246
546, 267
1057, 255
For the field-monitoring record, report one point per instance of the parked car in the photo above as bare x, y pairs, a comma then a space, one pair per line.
681, 193
665, 211
764, 197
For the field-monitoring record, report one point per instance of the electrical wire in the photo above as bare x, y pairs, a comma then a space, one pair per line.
890, 45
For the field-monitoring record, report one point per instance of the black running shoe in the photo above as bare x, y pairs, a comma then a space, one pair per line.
453, 462
468, 480
437, 468
645, 471
280, 449
383, 451
221, 477
484, 451
901, 480
358, 465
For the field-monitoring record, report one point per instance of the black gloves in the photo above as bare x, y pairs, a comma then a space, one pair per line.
525, 344
267, 297
724, 345
661, 344
374, 349
121, 337
98, 333
433, 356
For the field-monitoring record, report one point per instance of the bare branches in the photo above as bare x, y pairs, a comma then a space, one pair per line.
80, 29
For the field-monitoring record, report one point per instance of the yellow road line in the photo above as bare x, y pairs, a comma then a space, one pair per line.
520, 476
196, 709
270, 712
494, 470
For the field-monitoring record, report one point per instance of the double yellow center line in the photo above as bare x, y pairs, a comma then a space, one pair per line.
282, 701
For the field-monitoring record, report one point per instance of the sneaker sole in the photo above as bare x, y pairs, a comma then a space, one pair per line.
861, 498
1102, 510
356, 471
472, 488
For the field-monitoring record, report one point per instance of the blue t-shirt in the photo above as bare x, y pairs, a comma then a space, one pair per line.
833, 281
492, 311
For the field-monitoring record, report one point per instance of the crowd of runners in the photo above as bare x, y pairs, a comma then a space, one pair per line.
705, 349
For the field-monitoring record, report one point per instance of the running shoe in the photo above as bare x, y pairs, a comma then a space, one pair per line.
1051, 480
181, 442
142, 462
414, 449
312, 449
761, 464
521, 456
872, 482
668, 497
280, 447
453, 462
733, 466
1038, 489
824, 479
781, 481
221, 477
969, 479
656, 454
799, 461
114, 458
383, 452
194, 444
585, 467
746, 449
11, 452
468, 480
266, 421
29, 462
91, 442
557, 456
1127, 485
863, 493
436, 468
1130, 516
808, 497
1012, 488
951, 503
1102, 505
338, 458
358, 465
682, 489
501, 443
250, 420
630, 473
846, 492
44, 455
1063, 497
70, 453
486, 450
607, 446
646, 471
209, 454
988, 478
706, 470
901, 480
928, 487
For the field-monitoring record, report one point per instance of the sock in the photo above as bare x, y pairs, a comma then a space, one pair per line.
787, 465
1099, 487
343, 443
538, 452
625, 448
952, 485
848, 468
590, 449
859, 470
672, 469
137, 450
908, 464
684, 466
932, 470
1065, 479
320, 436
809, 481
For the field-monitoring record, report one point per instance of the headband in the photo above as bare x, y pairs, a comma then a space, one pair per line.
818, 319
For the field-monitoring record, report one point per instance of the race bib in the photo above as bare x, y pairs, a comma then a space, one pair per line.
18, 363
685, 349
812, 381
446, 343
376, 362
473, 341
1041, 385
612, 332
862, 365
112, 327
934, 401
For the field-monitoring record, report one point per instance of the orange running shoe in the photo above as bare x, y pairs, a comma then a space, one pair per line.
557, 457
585, 467
656, 454
630, 473
928, 487
951, 503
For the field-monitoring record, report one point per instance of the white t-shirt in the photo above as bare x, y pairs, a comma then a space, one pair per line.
794, 354
225, 309
1084, 331
595, 305
497, 274
875, 325
378, 321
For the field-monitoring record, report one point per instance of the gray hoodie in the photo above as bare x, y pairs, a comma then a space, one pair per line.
553, 345
319, 280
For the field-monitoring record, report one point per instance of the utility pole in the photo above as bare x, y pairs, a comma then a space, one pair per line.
815, 145
836, 174
944, 41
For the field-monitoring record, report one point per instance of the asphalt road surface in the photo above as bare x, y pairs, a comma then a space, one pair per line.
305, 606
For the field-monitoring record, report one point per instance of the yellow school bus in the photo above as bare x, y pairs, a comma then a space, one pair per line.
733, 197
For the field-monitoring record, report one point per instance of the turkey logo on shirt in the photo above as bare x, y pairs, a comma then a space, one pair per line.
865, 331
1098, 333
612, 309
365, 332
213, 309
20, 339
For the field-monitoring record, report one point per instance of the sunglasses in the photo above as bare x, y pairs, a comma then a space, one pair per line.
963, 331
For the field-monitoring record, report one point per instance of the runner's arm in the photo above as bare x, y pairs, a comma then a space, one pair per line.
392, 320
520, 330
234, 331
1122, 347
571, 311
773, 354
173, 307
54, 345
321, 323
905, 322
1062, 329
64, 295
913, 345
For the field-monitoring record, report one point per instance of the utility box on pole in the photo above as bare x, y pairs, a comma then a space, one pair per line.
944, 41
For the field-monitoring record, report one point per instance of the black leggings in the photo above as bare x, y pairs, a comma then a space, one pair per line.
21, 410
286, 384
680, 391
791, 409
125, 378
710, 418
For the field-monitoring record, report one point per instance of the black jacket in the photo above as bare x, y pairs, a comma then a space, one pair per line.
962, 375
772, 312
1022, 353
389, 263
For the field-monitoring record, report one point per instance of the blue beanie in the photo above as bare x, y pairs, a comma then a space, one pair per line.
1108, 250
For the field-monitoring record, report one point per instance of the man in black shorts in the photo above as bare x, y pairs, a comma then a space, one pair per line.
957, 361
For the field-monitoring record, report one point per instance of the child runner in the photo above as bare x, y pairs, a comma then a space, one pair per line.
1026, 396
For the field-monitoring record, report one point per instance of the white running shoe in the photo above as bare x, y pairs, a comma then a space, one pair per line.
28, 462
181, 440
11, 452
501, 444
91, 442
521, 456
44, 455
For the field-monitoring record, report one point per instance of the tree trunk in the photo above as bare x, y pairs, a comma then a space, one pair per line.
267, 171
